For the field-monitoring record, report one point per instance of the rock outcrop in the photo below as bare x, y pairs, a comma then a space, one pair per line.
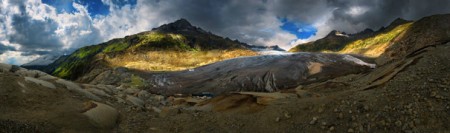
101, 114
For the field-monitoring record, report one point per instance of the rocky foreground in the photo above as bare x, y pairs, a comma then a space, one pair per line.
99, 106
407, 95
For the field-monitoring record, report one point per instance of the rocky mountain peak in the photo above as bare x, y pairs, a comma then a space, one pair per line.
179, 25
367, 30
397, 22
263, 48
335, 33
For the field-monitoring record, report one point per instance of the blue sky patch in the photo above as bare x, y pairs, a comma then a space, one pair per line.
12, 60
299, 29
61, 5
94, 7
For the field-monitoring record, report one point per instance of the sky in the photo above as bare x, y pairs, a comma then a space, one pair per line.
33, 28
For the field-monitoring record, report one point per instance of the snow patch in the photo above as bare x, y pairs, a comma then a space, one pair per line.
358, 61
273, 52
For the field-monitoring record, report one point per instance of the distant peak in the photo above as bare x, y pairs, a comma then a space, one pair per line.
367, 30
262, 48
179, 25
398, 21
337, 33
332, 33
182, 23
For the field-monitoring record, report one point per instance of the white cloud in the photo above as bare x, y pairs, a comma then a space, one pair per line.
356, 10
282, 39
16, 58
72, 30
304, 30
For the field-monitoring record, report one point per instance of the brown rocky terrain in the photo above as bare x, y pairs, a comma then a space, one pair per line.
414, 99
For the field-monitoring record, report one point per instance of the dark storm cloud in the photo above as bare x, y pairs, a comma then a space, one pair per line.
382, 12
33, 35
244, 20
300, 10
252, 21
229, 17
4, 48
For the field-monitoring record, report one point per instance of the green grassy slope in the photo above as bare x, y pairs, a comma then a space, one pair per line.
156, 50
371, 45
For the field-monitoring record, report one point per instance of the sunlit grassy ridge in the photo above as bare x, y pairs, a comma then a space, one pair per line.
372, 46
86, 51
375, 46
115, 47
155, 41
150, 51
175, 60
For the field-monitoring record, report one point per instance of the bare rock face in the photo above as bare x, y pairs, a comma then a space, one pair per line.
428, 31
181, 24
114, 76
40, 82
76, 88
136, 101
267, 73
30, 73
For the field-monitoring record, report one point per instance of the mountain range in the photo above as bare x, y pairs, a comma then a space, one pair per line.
181, 46
367, 42
174, 46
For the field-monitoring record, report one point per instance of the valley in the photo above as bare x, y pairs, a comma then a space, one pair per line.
181, 78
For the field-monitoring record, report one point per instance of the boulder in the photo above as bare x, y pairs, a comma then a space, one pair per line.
98, 92
112, 88
132, 90
47, 77
136, 101
30, 73
100, 114
143, 94
40, 82
157, 97
74, 87
120, 100
105, 88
